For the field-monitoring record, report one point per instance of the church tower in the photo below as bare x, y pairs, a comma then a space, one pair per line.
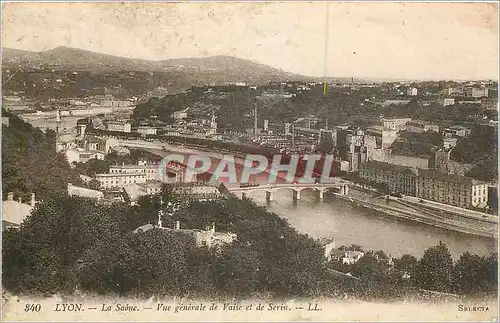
213, 125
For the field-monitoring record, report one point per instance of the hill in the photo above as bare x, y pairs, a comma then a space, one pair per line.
217, 69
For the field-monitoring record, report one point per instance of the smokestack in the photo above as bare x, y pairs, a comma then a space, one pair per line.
177, 225
10, 196
33, 201
255, 119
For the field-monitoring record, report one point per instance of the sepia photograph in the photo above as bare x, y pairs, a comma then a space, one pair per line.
247, 161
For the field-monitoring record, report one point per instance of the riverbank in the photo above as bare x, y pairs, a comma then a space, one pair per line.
406, 210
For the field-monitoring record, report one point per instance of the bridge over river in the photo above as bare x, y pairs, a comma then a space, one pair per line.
339, 185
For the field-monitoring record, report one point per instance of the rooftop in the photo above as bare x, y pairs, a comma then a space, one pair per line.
15, 212
387, 167
83, 192
120, 174
133, 166
448, 178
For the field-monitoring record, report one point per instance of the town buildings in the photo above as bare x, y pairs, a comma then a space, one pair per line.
399, 179
451, 189
428, 184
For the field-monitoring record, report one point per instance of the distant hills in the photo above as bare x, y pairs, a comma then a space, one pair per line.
216, 69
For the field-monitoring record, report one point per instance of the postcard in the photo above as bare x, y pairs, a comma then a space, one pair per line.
249, 161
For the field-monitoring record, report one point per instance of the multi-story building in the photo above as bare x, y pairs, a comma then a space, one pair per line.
179, 115
412, 91
85, 156
448, 101
399, 179
474, 92
453, 91
451, 189
119, 180
386, 136
396, 123
419, 126
146, 130
150, 171
118, 126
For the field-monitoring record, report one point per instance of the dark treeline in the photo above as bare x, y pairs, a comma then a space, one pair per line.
471, 275
71, 244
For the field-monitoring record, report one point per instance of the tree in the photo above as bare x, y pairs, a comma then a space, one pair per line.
434, 270
406, 264
473, 275
30, 163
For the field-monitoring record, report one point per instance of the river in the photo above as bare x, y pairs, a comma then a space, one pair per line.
351, 224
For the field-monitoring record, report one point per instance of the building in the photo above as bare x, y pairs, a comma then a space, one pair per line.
135, 191
198, 190
116, 103
180, 115
202, 238
118, 126
412, 91
15, 212
84, 192
85, 156
145, 130
395, 102
453, 91
150, 171
474, 92
458, 131
119, 180
399, 179
352, 257
395, 124
328, 247
386, 136
419, 126
451, 189
449, 142
448, 101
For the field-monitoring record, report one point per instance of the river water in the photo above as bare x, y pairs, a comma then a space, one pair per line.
351, 224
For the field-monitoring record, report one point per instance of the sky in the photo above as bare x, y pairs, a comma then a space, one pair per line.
371, 40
